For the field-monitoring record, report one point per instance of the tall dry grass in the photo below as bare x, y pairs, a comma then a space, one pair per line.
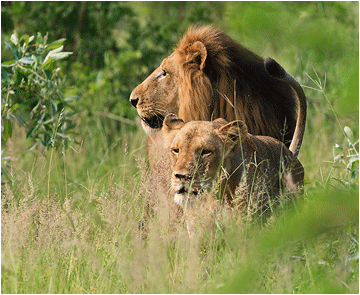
70, 224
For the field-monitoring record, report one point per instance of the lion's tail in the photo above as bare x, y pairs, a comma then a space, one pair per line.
278, 72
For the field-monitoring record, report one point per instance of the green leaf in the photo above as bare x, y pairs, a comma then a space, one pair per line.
15, 52
49, 128
27, 60
54, 106
353, 175
19, 119
18, 76
26, 41
25, 38
47, 139
13, 108
30, 148
31, 131
72, 125
348, 132
5, 77
48, 121
39, 38
61, 135
56, 44
55, 54
52, 52
8, 64
69, 114
14, 39
42, 116
8, 129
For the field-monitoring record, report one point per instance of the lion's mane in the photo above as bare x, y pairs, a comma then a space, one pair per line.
231, 77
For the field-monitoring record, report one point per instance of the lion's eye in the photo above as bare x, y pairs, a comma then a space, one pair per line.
175, 151
205, 152
163, 74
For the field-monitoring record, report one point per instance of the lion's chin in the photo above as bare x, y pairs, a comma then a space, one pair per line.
148, 130
183, 198
151, 124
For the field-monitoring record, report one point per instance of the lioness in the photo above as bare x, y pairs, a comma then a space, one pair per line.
262, 165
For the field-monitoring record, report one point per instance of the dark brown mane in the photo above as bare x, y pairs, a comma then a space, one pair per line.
209, 82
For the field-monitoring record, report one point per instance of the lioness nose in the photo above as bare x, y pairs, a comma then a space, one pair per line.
134, 101
180, 176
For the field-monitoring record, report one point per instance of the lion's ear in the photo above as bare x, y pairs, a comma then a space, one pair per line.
196, 53
172, 122
234, 133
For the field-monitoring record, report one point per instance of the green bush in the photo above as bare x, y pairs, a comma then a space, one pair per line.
32, 92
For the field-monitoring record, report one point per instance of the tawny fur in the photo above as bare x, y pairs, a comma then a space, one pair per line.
222, 79
210, 76
262, 166
259, 168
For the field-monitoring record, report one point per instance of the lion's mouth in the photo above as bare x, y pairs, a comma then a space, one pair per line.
182, 196
183, 191
154, 122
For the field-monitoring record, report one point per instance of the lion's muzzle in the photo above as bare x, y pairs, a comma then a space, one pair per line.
154, 122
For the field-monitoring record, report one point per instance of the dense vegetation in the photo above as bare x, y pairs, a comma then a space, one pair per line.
74, 172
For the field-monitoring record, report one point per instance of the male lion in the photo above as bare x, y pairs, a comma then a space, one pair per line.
263, 166
209, 76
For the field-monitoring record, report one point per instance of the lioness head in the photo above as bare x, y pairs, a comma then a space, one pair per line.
197, 150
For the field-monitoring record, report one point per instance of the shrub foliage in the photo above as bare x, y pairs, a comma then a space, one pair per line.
32, 91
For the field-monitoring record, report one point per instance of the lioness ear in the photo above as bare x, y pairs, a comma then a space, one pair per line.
172, 122
233, 132
219, 123
196, 53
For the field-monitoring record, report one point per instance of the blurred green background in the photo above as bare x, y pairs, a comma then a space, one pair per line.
117, 44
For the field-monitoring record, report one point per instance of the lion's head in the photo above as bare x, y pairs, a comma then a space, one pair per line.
197, 150
157, 95
180, 75
209, 76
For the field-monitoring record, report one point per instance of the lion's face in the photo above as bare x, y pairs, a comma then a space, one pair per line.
170, 89
197, 150
158, 95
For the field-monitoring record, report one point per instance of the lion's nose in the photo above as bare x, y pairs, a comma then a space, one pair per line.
134, 101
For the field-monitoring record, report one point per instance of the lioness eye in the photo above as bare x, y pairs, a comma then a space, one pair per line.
175, 151
163, 74
205, 152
